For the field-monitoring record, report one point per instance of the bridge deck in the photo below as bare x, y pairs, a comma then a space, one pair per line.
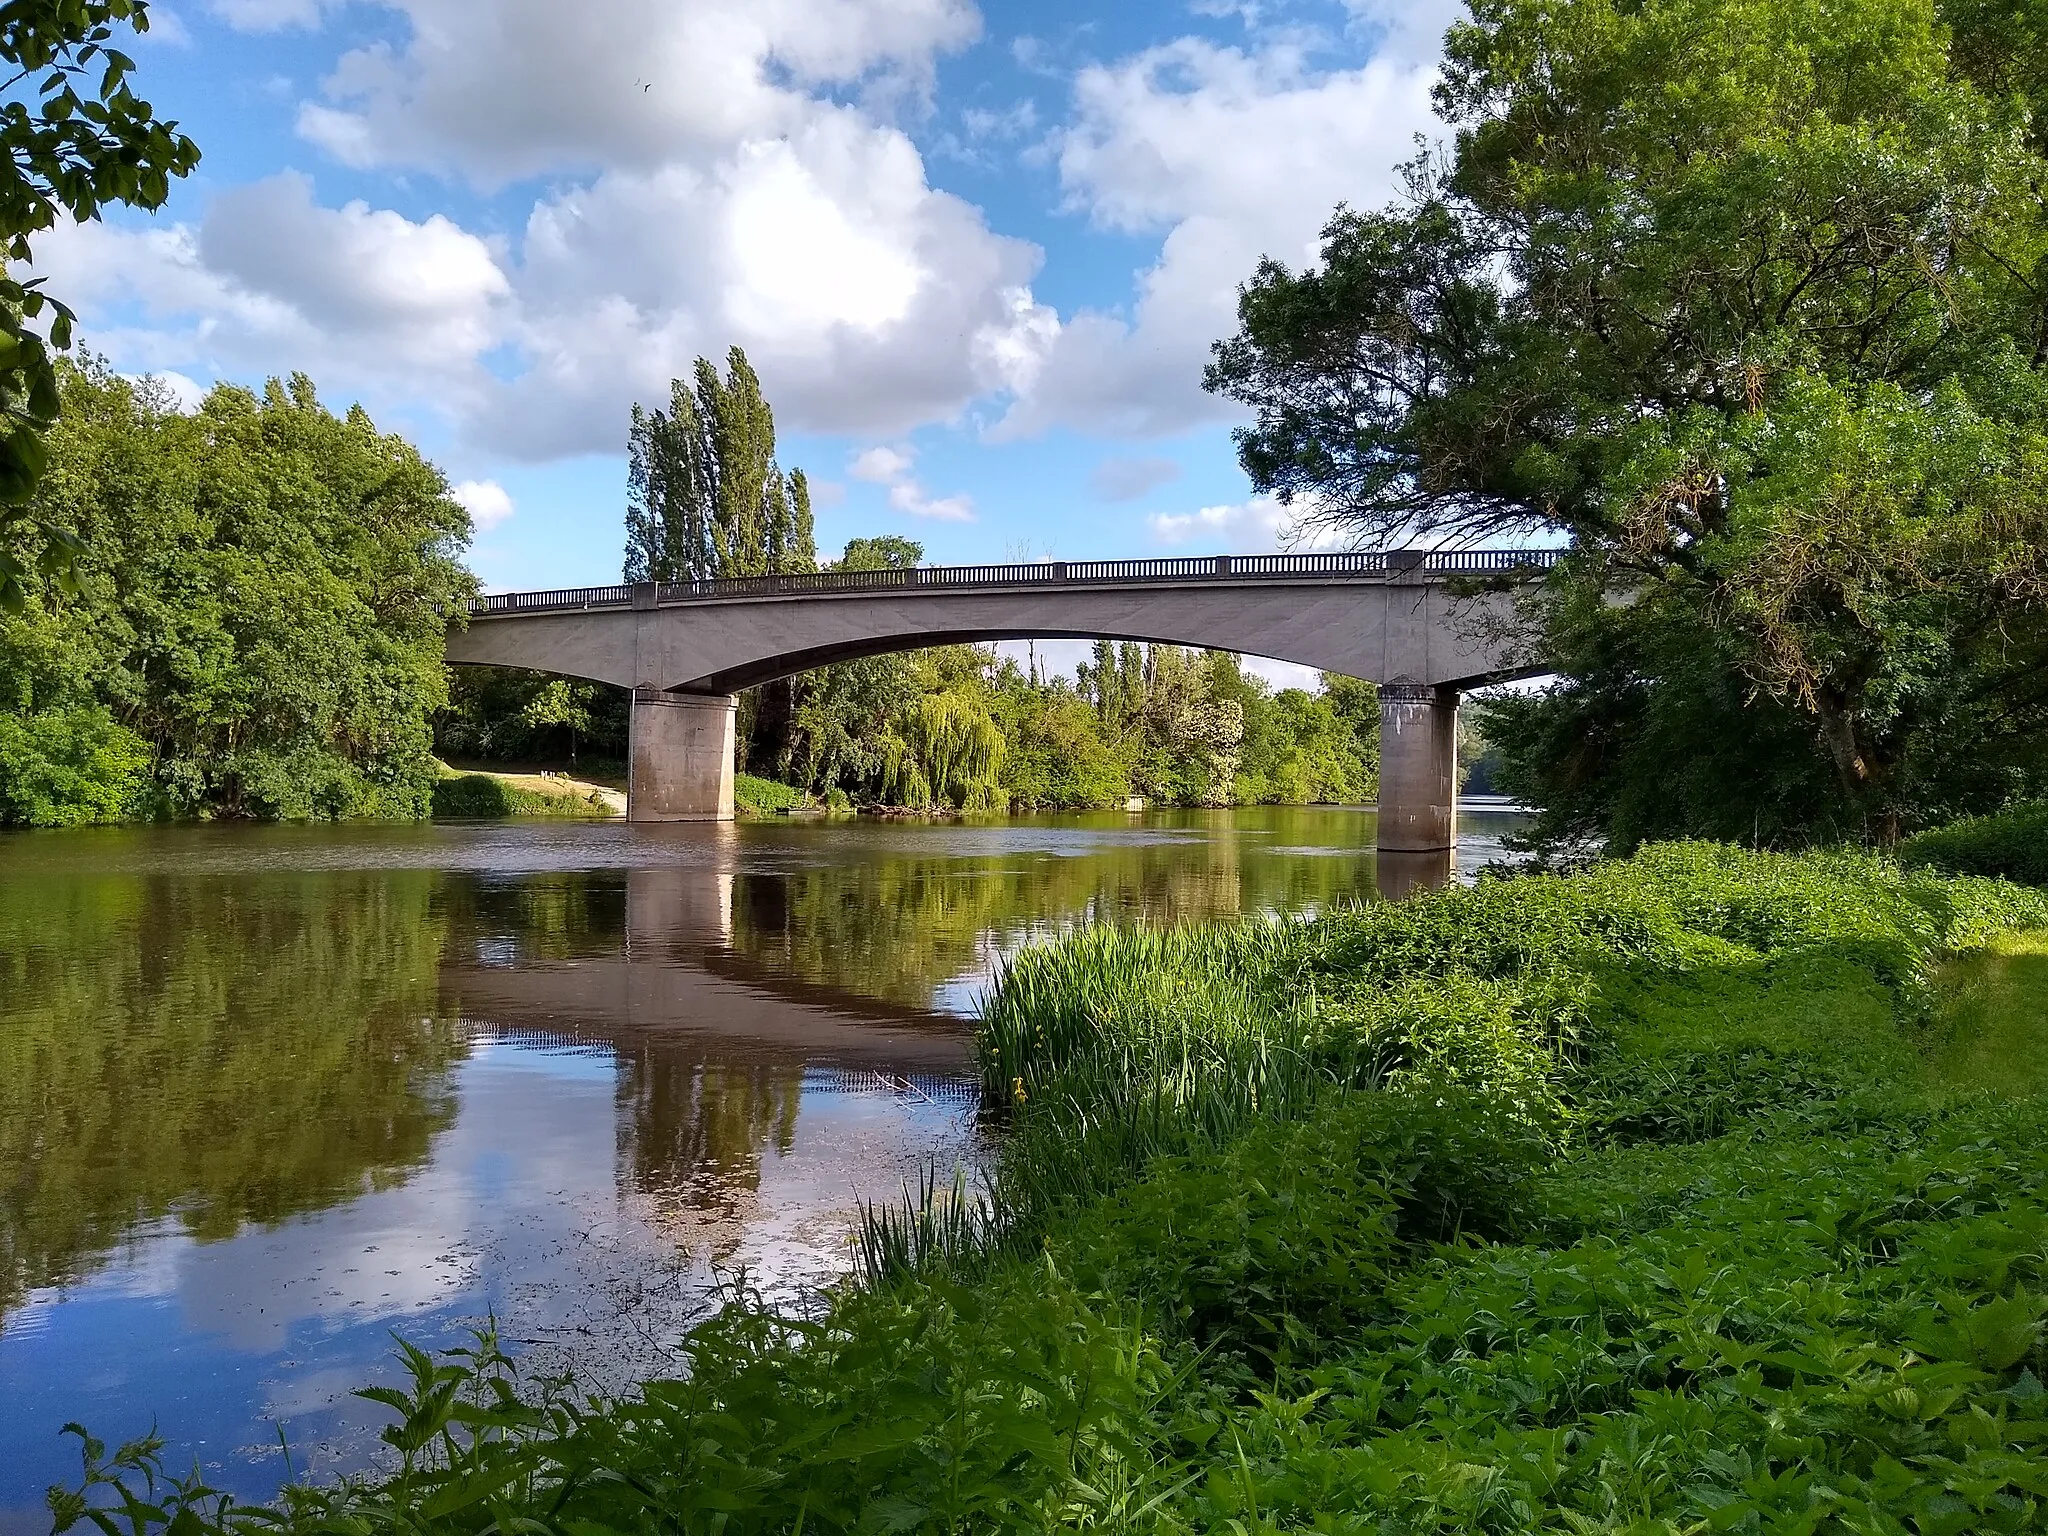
1352, 565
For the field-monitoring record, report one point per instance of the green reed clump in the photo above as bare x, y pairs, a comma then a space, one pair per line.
1116, 1046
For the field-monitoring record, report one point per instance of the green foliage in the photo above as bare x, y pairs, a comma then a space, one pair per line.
1743, 299
262, 596
477, 796
765, 797
69, 152
2012, 845
68, 767
505, 715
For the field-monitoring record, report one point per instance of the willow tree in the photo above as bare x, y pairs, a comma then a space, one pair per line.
1748, 301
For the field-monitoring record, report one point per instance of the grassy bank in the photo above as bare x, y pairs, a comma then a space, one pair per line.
1700, 1192
466, 796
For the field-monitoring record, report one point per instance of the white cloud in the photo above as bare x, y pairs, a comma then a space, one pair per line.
271, 281
909, 496
879, 466
487, 502
1231, 155
735, 176
868, 301
1128, 479
520, 88
1258, 526
891, 467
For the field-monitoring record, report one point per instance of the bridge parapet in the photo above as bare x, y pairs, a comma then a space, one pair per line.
1348, 565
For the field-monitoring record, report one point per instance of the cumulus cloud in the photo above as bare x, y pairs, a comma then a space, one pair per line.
487, 502
1231, 155
520, 88
891, 467
735, 175
270, 281
879, 466
1128, 479
1258, 526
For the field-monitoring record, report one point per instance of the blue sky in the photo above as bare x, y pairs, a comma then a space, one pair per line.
978, 252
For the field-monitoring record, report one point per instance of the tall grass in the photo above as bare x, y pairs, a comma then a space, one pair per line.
1116, 1047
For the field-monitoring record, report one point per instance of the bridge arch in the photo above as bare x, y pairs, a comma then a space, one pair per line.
1424, 627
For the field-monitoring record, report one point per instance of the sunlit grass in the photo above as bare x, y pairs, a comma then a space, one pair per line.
1992, 1034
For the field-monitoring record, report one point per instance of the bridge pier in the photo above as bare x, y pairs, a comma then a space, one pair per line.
1418, 768
679, 756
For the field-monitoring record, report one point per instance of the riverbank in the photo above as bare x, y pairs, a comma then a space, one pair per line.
1661, 1196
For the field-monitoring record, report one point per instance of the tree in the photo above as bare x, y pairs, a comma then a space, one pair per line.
262, 599
887, 552
82, 140
705, 497
1748, 300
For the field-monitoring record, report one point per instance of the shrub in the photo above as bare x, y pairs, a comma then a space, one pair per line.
476, 796
2012, 845
764, 797
69, 767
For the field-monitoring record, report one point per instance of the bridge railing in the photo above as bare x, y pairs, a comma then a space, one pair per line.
1054, 573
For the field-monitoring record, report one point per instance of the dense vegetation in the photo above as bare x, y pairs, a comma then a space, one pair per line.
261, 593
1747, 300
2012, 846
1689, 1193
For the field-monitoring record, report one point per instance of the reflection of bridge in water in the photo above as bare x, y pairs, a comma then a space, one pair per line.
714, 1055
676, 976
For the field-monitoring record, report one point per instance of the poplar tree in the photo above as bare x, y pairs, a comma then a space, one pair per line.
705, 497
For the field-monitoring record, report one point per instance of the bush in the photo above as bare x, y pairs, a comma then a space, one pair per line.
2012, 845
765, 797
69, 767
476, 796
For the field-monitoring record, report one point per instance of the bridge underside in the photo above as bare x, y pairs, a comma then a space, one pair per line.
684, 661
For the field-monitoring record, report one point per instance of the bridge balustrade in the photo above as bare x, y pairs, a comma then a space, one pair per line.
1053, 573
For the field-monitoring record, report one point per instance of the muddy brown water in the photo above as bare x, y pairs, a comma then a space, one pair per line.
270, 1095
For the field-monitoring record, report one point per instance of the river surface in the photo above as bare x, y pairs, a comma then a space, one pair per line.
270, 1095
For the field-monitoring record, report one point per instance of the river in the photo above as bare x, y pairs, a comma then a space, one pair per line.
269, 1095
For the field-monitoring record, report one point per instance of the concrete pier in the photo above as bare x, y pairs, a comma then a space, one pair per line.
679, 756
1418, 768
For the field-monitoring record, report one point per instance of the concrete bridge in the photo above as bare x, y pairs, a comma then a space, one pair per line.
685, 648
